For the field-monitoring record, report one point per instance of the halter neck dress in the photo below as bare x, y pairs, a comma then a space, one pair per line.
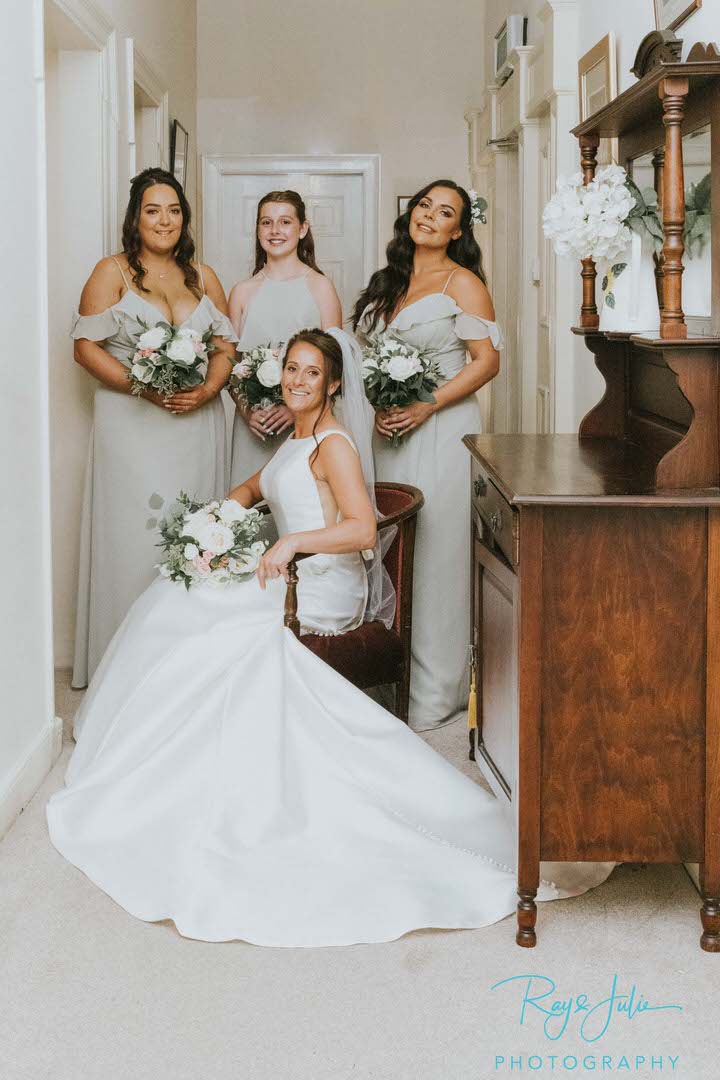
226, 778
275, 312
140, 457
433, 458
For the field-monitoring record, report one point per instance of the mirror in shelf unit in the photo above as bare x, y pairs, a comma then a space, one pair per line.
646, 172
697, 260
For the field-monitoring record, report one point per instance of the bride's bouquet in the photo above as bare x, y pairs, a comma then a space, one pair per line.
256, 377
211, 543
170, 358
395, 374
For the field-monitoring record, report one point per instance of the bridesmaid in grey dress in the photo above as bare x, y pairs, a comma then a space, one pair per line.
287, 292
143, 450
432, 294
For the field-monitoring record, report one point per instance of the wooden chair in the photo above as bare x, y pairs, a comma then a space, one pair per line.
373, 654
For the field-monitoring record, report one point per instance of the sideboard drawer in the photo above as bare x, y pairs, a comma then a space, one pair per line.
502, 519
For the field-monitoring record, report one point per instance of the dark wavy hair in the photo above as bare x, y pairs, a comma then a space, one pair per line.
332, 354
306, 246
388, 286
184, 249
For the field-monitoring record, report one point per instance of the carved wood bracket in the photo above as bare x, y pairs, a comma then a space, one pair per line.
658, 47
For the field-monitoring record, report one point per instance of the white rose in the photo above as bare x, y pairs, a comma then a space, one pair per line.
241, 370
194, 523
165, 570
231, 511
181, 350
401, 368
269, 373
216, 537
153, 339
190, 551
142, 372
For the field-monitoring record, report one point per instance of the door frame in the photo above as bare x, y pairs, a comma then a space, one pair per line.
139, 71
216, 166
101, 35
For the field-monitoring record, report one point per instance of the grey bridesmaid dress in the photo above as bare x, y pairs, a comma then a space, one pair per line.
433, 458
139, 458
277, 311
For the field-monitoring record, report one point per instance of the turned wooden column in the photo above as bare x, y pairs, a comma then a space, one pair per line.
589, 318
658, 164
673, 92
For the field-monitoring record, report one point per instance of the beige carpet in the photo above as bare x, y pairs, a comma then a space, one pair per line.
89, 993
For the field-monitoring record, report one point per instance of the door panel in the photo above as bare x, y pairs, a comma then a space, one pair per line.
334, 205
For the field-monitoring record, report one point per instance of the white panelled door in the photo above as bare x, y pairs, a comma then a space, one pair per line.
340, 195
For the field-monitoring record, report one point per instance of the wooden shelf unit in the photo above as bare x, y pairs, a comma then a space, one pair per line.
596, 562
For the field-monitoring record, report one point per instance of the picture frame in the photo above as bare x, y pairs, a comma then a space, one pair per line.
179, 140
669, 14
597, 86
402, 203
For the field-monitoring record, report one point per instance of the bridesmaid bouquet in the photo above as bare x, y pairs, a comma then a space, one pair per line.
256, 377
396, 374
211, 543
170, 358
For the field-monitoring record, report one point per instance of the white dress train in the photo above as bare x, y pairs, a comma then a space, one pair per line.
228, 779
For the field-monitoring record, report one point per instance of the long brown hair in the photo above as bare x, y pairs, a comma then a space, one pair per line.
388, 286
332, 354
185, 247
306, 246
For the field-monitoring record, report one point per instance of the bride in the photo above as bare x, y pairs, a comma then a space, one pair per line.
226, 778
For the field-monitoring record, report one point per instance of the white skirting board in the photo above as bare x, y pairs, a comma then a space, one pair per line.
29, 775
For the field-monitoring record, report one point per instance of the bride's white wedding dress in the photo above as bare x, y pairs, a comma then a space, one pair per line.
229, 780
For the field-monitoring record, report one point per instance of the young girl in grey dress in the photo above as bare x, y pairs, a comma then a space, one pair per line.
286, 293
143, 449
432, 294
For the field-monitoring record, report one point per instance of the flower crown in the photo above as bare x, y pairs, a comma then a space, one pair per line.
478, 206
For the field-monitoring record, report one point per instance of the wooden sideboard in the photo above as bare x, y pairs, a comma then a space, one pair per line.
596, 558
596, 623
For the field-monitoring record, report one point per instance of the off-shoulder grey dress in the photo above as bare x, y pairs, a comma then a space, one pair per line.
433, 458
139, 458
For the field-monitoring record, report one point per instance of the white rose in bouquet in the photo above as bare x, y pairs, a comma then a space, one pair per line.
153, 338
190, 551
142, 372
269, 373
401, 368
195, 523
181, 350
195, 340
215, 537
231, 511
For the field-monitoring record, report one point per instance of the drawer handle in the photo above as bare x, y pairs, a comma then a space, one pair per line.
496, 521
480, 486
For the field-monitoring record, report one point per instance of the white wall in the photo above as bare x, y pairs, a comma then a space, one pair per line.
28, 736
632, 20
392, 78
165, 35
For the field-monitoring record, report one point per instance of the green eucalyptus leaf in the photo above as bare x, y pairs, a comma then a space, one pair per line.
610, 300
